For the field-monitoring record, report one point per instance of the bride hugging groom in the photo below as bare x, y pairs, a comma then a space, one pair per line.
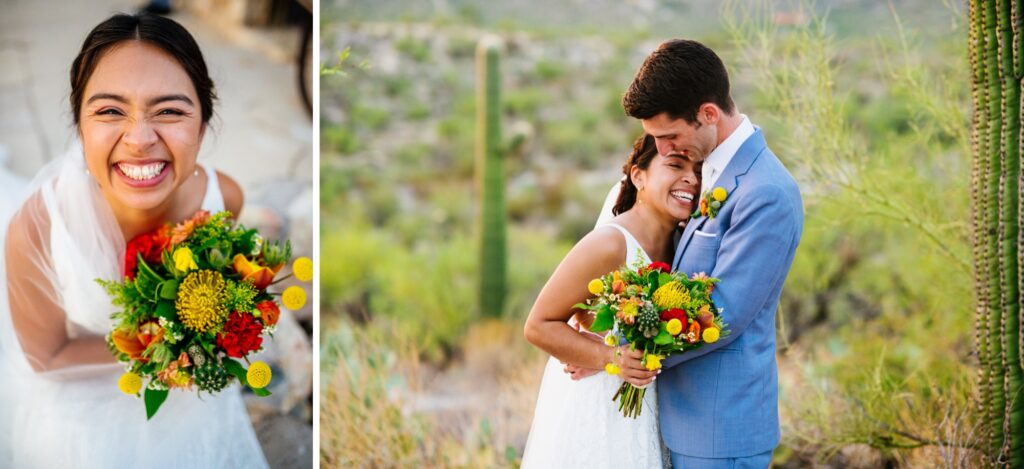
714, 407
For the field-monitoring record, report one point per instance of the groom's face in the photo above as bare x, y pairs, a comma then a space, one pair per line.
678, 137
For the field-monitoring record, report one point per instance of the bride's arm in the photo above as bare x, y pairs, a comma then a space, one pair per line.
595, 255
37, 318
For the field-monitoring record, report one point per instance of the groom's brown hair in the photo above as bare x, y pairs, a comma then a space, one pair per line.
677, 78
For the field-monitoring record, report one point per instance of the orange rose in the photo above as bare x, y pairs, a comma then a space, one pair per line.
269, 312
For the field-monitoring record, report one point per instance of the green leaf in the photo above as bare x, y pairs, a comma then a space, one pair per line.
604, 320
262, 392
154, 399
165, 309
664, 278
237, 370
169, 289
663, 338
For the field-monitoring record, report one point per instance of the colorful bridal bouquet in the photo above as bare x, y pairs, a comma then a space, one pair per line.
654, 310
194, 299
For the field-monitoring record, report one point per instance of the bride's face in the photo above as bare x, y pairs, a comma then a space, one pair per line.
140, 125
670, 185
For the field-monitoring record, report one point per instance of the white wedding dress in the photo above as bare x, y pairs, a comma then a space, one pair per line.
78, 417
577, 425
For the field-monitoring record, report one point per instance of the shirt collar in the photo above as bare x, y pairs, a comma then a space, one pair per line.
722, 155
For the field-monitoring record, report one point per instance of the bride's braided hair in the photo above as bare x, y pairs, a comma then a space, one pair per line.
644, 151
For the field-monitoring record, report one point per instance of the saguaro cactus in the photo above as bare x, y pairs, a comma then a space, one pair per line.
490, 176
996, 36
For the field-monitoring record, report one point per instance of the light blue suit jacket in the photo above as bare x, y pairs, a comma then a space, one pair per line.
721, 401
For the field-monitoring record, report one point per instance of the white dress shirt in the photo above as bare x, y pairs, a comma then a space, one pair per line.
720, 157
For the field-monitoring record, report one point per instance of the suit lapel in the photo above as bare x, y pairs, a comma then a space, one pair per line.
729, 180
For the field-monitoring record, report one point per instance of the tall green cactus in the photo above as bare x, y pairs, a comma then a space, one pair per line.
995, 47
490, 175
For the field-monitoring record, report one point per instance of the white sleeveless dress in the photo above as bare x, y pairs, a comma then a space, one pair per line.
576, 424
86, 422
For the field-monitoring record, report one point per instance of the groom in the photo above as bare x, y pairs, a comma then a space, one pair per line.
719, 404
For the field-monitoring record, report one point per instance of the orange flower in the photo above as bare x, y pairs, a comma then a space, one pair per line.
173, 376
261, 276
135, 344
183, 230
269, 312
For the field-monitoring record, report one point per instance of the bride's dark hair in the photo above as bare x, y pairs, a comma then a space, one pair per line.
156, 30
644, 151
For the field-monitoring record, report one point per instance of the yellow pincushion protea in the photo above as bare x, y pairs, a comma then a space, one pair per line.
671, 295
303, 269
595, 287
130, 383
201, 298
293, 298
258, 375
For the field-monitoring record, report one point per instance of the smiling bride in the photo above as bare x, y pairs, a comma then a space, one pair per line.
141, 100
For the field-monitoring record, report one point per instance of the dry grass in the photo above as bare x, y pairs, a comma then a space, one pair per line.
381, 406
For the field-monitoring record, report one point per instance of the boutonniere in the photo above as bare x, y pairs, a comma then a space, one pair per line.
710, 202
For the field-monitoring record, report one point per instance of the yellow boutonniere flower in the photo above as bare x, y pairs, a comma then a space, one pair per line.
184, 260
710, 202
719, 194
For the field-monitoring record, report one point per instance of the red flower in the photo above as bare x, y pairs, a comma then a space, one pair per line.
242, 334
150, 245
269, 312
659, 266
675, 313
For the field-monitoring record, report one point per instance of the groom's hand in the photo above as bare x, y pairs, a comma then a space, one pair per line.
632, 369
578, 372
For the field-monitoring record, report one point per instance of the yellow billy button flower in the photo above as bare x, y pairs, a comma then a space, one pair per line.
652, 362
258, 375
612, 369
595, 287
711, 335
303, 269
674, 326
183, 259
130, 383
293, 298
719, 194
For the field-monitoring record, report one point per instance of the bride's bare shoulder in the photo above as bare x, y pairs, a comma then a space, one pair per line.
603, 243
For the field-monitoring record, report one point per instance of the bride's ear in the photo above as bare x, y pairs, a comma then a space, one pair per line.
638, 176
